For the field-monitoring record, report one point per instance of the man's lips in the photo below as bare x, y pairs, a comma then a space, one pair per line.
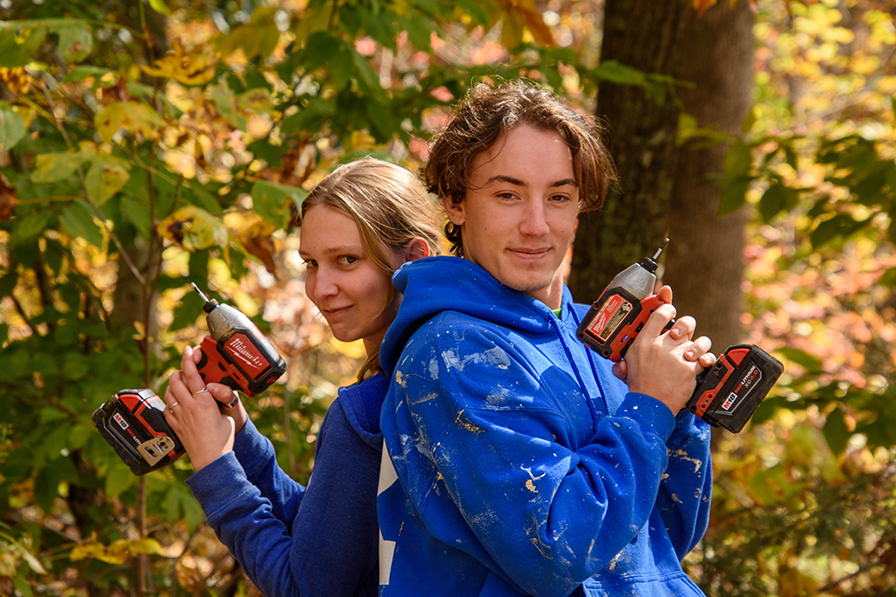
527, 253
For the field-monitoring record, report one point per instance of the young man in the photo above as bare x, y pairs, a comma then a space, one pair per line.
516, 463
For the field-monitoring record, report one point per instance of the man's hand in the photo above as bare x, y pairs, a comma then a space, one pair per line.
665, 365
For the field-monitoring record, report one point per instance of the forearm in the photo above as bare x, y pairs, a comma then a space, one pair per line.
686, 491
257, 458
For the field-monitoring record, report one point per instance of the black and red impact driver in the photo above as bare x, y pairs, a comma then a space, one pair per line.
235, 353
727, 394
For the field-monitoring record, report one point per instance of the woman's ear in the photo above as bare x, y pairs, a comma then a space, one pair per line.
416, 249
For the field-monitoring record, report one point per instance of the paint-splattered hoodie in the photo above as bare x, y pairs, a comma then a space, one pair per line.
519, 464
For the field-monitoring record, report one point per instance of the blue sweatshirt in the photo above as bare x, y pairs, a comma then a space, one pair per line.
293, 541
519, 464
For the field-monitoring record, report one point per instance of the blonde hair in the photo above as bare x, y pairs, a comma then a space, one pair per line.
390, 207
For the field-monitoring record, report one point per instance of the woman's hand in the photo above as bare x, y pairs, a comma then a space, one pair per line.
193, 413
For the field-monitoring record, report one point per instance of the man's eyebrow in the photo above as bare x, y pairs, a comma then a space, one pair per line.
515, 181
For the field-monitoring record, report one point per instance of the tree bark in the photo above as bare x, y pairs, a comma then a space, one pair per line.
663, 189
641, 132
704, 260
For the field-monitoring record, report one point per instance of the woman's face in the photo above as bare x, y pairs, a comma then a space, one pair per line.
348, 288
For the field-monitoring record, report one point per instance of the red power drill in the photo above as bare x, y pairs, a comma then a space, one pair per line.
235, 354
727, 394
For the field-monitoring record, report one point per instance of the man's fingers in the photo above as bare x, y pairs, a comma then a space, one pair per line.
683, 328
658, 321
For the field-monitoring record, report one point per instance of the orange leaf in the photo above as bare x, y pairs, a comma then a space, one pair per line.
9, 198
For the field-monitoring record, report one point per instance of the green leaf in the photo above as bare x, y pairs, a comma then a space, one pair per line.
225, 101
54, 167
841, 226
738, 160
29, 227
77, 219
269, 200
23, 587
118, 478
12, 127
136, 211
75, 41
835, 432
75, 366
809, 362
107, 175
615, 72
734, 194
19, 42
79, 73
309, 118
888, 278
776, 199
160, 7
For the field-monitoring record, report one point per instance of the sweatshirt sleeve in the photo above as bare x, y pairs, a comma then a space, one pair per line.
257, 458
329, 549
540, 506
244, 521
686, 490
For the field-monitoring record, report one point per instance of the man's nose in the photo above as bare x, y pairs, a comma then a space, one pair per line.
535, 222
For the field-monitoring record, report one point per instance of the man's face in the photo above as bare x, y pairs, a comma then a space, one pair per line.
519, 213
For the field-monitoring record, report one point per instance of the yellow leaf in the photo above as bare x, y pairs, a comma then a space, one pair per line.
118, 552
132, 117
255, 234
185, 67
193, 228
107, 175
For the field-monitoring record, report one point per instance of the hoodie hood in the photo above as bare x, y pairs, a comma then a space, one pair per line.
454, 284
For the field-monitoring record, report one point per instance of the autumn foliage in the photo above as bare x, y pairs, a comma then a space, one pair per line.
148, 144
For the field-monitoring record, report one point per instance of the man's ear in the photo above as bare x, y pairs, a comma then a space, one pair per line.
454, 211
416, 249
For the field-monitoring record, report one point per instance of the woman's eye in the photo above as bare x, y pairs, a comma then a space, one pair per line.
347, 259
309, 263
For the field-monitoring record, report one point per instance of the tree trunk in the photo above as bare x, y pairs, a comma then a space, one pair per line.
704, 259
645, 35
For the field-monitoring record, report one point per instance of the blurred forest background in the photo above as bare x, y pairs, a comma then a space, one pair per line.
145, 144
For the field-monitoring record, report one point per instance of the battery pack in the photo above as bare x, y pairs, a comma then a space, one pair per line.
133, 423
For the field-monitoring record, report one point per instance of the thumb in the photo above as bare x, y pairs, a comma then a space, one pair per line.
620, 370
223, 394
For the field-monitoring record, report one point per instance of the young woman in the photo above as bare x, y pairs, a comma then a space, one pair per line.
359, 225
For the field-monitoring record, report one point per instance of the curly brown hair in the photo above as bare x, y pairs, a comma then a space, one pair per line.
489, 112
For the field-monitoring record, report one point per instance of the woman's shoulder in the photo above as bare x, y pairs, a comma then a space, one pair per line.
361, 403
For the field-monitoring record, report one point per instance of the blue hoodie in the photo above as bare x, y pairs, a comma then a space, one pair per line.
298, 542
523, 465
